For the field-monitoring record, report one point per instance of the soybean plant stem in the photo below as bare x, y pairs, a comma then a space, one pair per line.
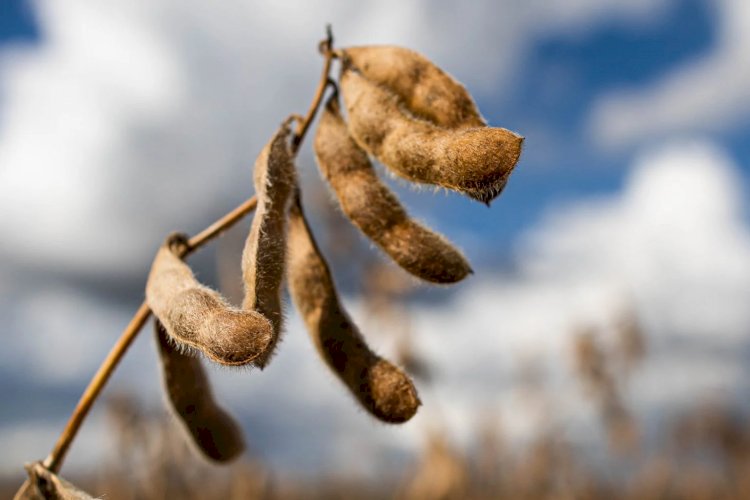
326, 49
55, 459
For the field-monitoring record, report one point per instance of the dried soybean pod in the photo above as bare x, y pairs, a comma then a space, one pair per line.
43, 484
422, 87
380, 387
265, 249
375, 210
473, 161
199, 317
215, 433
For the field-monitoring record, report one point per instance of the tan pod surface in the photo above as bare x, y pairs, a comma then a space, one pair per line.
376, 211
422, 87
473, 161
264, 254
199, 317
212, 429
380, 387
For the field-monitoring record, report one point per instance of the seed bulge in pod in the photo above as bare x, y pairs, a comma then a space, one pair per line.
473, 161
422, 87
198, 317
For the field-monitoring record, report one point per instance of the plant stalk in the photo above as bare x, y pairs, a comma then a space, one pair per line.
55, 459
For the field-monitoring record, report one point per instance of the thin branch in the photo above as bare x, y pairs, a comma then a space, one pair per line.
221, 225
326, 49
55, 459
89, 396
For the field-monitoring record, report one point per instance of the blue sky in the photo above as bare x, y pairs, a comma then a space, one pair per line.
549, 98
550, 101
122, 122
17, 22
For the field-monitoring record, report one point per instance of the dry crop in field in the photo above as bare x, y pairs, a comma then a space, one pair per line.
700, 452
404, 111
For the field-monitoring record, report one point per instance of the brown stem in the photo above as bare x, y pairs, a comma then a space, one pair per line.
55, 459
221, 225
89, 396
325, 48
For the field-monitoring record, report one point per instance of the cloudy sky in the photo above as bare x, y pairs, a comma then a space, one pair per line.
121, 121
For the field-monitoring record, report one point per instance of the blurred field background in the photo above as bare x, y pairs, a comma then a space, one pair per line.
601, 350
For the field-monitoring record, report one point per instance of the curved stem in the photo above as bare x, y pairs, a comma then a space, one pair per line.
55, 459
221, 225
100, 378
326, 48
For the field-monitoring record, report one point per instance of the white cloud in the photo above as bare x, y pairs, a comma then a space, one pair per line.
648, 240
58, 335
134, 118
673, 243
708, 93
29, 441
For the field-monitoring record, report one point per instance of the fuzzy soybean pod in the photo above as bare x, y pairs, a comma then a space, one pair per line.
375, 210
422, 87
212, 429
380, 387
473, 161
43, 484
264, 255
196, 316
